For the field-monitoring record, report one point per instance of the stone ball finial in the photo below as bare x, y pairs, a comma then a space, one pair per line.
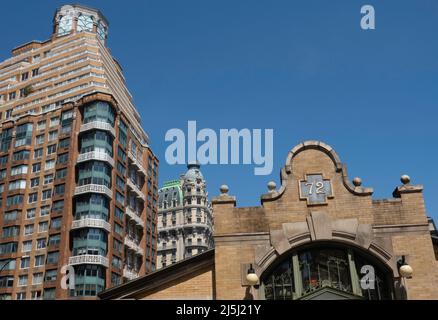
224, 189
357, 181
271, 186
405, 179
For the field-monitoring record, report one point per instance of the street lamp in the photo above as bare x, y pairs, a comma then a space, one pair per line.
251, 276
404, 269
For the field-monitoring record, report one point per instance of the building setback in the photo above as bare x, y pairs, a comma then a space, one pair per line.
185, 218
78, 180
318, 236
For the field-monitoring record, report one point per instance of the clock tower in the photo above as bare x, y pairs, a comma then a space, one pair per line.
70, 19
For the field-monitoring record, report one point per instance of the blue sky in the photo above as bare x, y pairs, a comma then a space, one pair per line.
303, 68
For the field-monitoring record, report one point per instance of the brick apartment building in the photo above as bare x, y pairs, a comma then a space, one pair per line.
78, 180
317, 236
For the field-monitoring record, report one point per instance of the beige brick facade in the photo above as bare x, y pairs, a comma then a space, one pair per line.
292, 217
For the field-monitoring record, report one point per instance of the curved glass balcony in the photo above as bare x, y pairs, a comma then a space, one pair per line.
98, 115
96, 140
99, 111
93, 206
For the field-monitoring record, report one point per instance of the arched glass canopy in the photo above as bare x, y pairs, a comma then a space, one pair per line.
327, 272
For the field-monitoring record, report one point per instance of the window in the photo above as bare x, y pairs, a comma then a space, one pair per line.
64, 143
119, 214
36, 295
51, 149
24, 76
50, 164
85, 23
120, 183
51, 275
47, 194
49, 294
12, 96
45, 210
54, 121
41, 243
39, 139
60, 189
121, 154
53, 135
3, 174
23, 135
56, 223
117, 245
37, 278
48, 178
35, 72
61, 173
52, 257
11, 231
36, 167
25, 262
28, 229
41, 125
120, 198
33, 197
116, 262
118, 229
14, 200
26, 246
22, 281
10, 215
39, 260
319, 268
38, 153
21, 296
54, 240
43, 226
4, 160
30, 213
19, 170
9, 247
6, 282
121, 168
58, 206
35, 182
17, 185
115, 278
7, 264
62, 158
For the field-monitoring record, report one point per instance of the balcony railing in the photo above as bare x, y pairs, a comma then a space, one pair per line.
88, 259
134, 188
94, 188
98, 125
130, 274
136, 163
132, 215
91, 223
95, 155
133, 246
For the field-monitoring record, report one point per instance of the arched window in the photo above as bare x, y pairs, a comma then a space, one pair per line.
65, 25
327, 272
85, 23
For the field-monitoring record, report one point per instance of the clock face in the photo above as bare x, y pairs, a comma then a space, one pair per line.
85, 23
65, 25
